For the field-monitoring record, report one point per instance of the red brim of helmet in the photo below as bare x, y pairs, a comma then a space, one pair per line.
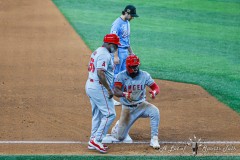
117, 43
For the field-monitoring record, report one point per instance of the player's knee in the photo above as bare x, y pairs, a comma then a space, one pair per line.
155, 112
121, 137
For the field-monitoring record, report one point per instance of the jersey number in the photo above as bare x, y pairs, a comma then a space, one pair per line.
91, 67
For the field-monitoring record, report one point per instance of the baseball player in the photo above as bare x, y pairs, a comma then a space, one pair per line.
121, 27
130, 86
98, 89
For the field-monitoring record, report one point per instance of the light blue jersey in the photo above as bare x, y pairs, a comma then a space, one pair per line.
122, 29
136, 85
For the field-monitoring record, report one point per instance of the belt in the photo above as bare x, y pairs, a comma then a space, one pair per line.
134, 105
92, 80
123, 47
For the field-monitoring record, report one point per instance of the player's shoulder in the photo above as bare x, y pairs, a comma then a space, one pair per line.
122, 74
118, 21
101, 51
144, 73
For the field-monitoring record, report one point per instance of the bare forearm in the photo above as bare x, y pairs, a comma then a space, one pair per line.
130, 50
102, 79
118, 92
116, 55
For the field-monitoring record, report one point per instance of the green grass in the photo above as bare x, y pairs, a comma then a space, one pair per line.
188, 41
110, 157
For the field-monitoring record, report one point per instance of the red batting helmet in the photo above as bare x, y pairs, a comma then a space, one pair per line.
112, 38
131, 61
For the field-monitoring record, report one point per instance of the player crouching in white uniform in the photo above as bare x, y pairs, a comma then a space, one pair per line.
130, 86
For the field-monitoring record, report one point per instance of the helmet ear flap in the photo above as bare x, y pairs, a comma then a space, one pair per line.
129, 69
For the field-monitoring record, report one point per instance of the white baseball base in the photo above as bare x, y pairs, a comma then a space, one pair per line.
110, 139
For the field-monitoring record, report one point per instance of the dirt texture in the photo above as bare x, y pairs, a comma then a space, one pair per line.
43, 70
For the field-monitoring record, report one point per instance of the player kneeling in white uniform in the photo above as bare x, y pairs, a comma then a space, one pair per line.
130, 86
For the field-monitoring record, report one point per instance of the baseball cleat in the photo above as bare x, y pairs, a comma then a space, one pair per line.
97, 145
92, 148
154, 142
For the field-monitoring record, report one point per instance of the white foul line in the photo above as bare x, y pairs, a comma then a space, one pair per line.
134, 142
42, 142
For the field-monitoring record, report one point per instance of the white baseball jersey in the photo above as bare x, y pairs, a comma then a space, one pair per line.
136, 85
101, 59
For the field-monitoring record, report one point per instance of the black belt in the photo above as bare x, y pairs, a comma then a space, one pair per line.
123, 47
134, 105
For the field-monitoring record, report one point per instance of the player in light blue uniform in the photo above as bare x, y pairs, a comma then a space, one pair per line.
98, 89
130, 86
121, 27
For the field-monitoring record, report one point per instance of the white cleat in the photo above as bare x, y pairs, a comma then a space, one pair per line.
154, 142
116, 103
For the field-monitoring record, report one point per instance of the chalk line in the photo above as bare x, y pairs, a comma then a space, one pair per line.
134, 142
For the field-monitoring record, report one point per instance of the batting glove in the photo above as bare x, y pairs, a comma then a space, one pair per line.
128, 95
152, 94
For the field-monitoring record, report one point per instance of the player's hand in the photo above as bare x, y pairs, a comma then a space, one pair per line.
116, 60
110, 94
152, 94
128, 96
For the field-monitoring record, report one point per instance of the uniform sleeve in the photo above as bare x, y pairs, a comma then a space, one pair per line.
149, 80
115, 29
118, 78
102, 62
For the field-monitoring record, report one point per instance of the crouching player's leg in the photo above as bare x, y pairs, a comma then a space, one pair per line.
154, 114
123, 125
